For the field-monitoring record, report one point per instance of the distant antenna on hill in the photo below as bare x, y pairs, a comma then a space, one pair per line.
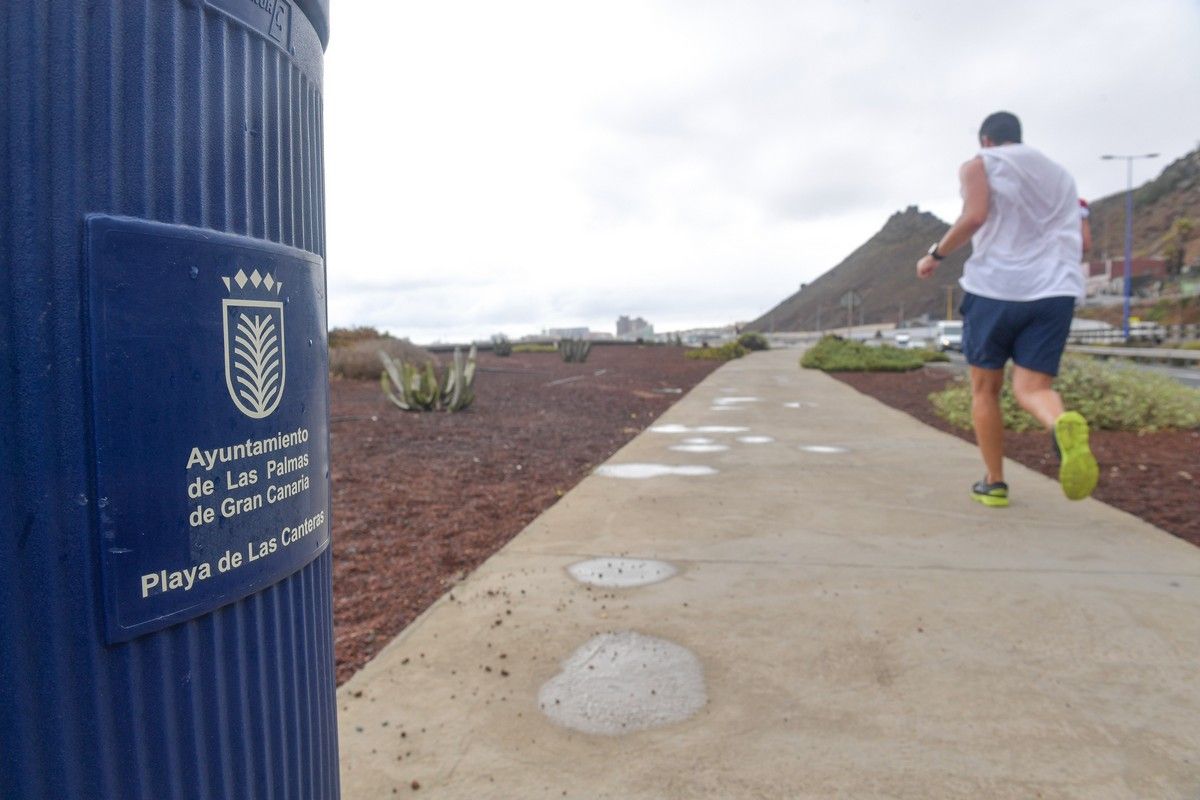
850, 300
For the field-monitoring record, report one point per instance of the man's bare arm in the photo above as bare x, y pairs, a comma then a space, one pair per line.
976, 194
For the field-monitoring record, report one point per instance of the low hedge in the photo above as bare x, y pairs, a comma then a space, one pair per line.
752, 340
726, 352
834, 354
1112, 397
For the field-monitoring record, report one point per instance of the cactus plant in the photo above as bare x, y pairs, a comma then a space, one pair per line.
574, 351
460, 378
413, 388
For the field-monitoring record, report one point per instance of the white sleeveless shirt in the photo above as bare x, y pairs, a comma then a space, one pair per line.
1031, 244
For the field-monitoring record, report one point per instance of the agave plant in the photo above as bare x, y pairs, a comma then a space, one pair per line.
415, 388
574, 351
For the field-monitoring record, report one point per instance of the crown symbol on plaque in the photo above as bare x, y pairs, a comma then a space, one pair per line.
256, 279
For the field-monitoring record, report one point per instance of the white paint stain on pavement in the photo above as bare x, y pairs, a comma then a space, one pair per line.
681, 429
621, 573
755, 439
623, 682
644, 471
822, 448
700, 448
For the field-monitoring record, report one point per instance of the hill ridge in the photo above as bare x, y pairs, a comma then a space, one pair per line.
883, 269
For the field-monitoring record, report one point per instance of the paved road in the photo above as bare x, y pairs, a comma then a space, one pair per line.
842, 622
1188, 376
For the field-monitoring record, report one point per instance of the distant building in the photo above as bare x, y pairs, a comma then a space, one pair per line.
710, 336
567, 333
636, 328
1108, 276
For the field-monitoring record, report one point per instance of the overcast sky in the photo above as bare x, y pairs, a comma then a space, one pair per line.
520, 165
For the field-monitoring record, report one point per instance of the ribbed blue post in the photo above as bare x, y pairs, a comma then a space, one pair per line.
198, 113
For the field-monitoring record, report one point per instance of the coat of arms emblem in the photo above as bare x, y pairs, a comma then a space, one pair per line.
255, 362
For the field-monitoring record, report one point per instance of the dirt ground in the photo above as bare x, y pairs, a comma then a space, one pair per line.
421, 499
1155, 476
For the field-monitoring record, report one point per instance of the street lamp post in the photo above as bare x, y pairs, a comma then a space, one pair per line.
1128, 230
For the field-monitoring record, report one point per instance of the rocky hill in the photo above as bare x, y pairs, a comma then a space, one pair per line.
883, 272
1174, 194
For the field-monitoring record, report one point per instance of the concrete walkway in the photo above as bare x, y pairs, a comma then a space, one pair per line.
860, 629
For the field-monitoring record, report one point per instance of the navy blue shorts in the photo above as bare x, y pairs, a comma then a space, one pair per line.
1033, 333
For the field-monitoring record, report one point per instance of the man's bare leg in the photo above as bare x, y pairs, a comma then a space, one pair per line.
1034, 392
989, 422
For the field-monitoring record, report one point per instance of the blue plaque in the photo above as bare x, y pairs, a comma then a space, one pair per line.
210, 396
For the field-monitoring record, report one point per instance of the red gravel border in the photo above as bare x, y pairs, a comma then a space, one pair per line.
1155, 476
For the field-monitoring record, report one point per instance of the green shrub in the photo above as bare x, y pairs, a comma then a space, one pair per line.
929, 356
344, 337
1159, 311
534, 348
359, 360
502, 345
1112, 397
752, 340
1188, 345
834, 354
953, 404
726, 352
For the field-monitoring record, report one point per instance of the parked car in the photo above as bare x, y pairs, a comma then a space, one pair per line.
949, 335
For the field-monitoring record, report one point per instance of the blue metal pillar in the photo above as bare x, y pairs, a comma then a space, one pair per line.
165, 575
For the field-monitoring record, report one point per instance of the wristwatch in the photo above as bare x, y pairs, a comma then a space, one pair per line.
933, 252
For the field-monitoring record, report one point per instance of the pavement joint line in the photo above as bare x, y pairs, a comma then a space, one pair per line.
857, 565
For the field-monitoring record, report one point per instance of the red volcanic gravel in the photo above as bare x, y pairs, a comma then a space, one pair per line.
1155, 476
421, 499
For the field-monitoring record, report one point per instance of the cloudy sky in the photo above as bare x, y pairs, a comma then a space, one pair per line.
521, 165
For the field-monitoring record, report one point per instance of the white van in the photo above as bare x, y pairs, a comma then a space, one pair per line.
949, 335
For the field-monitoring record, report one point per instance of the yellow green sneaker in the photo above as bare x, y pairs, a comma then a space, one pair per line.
1077, 471
994, 495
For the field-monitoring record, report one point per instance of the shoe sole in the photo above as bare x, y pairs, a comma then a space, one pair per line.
989, 500
1078, 472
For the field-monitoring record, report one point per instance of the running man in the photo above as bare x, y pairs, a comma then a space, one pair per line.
1022, 216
